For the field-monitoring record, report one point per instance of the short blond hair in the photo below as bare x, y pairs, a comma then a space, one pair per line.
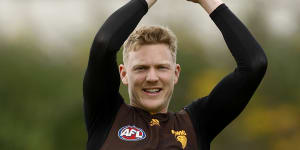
150, 35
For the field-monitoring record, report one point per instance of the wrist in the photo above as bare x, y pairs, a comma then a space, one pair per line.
210, 5
150, 3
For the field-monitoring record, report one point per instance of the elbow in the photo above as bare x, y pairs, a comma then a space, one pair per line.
104, 41
101, 39
259, 65
99, 47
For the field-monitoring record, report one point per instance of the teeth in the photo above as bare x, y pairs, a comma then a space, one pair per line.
152, 90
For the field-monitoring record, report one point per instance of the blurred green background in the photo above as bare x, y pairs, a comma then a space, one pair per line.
44, 48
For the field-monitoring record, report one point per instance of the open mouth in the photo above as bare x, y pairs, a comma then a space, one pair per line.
152, 90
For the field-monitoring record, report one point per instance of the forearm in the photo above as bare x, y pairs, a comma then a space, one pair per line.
119, 25
247, 52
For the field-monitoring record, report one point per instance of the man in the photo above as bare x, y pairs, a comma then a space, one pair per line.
150, 72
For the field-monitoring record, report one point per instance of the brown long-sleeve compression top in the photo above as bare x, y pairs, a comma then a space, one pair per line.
197, 124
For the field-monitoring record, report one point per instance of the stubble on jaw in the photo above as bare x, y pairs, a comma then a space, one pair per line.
135, 101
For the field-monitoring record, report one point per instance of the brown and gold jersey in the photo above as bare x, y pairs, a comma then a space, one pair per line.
135, 128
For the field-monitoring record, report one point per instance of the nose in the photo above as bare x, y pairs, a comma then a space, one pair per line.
152, 75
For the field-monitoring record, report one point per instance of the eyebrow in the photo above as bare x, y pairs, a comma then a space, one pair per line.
156, 65
164, 64
160, 64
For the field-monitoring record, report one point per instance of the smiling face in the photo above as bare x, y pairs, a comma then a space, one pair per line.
150, 74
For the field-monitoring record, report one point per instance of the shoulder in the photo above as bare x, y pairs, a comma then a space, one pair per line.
197, 105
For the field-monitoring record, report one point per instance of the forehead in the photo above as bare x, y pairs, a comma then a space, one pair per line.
150, 54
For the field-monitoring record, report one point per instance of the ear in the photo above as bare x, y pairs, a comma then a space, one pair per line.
177, 73
123, 74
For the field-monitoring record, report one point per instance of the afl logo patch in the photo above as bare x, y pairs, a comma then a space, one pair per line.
131, 133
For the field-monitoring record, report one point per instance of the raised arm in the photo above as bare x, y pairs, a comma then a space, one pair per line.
101, 82
213, 113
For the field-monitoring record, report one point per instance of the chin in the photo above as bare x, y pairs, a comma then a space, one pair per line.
154, 107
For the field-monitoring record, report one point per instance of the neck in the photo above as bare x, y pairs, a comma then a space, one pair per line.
151, 111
